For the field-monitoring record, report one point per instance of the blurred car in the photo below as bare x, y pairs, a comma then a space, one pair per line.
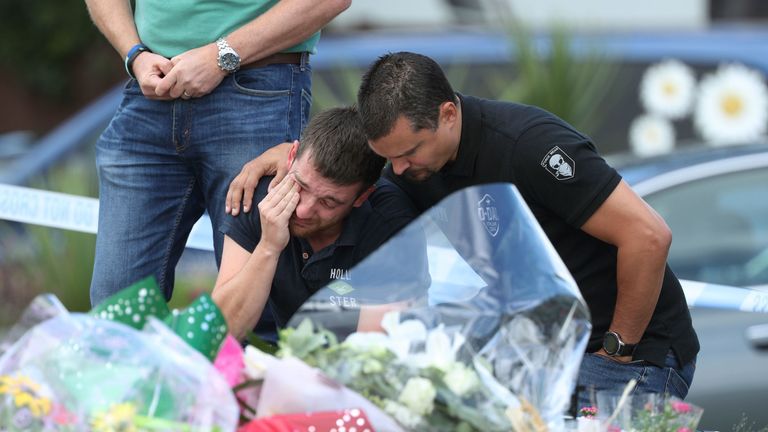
715, 200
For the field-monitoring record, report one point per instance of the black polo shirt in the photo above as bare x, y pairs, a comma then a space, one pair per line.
563, 179
301, 271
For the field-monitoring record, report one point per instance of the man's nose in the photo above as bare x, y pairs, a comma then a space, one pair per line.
399, 166
305, 208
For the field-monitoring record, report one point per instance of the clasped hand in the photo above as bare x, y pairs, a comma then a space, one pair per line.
193, 73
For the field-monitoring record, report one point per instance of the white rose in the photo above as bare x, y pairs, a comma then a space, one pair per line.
256, 362
418, 395
461, 379
372, 366
402, 415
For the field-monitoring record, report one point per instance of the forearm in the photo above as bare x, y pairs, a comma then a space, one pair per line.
286, 24
640, 273
114, 18
242, 298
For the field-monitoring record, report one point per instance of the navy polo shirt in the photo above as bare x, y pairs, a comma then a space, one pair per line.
301, 271
564, 180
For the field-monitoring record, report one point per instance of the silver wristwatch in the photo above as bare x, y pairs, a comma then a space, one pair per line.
228, 60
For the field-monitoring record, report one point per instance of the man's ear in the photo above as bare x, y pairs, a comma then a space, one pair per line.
363, 196
292, 153
448, 113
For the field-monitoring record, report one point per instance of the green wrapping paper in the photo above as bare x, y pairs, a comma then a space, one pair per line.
201, 324
134, 304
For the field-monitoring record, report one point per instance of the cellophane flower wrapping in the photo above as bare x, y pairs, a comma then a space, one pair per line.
465, 320
80, 372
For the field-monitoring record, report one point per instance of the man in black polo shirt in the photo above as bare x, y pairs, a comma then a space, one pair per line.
613, 243
324, 217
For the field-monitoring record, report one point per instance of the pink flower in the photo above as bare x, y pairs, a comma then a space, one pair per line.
684, 429
229, 362
588, 411
680, 407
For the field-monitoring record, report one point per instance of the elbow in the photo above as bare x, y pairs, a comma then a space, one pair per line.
659, 238
340, 6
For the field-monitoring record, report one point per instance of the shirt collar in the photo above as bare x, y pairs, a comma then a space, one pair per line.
353, 225
464, 164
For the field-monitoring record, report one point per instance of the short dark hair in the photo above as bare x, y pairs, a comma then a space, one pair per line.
402, 83
335, 142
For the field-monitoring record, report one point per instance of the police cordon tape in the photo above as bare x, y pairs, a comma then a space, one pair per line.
77, 213
71, 212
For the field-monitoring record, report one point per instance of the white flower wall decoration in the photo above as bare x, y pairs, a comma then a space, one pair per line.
732, 106
668, 89
728, 106
651, 135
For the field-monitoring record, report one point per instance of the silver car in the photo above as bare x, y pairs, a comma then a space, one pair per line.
715, 200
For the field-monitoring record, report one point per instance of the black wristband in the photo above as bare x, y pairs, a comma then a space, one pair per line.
131, 56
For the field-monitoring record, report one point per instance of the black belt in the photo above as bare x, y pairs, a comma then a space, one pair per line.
277, 58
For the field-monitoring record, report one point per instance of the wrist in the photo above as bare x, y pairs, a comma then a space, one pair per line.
615, 346
130, 57
227, 59
267, 250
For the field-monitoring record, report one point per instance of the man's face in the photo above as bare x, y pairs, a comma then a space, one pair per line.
417, 154
323, 205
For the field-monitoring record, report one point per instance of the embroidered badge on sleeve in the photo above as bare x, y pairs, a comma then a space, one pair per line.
559, 164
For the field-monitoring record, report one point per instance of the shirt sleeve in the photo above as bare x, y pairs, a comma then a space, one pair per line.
245, 228
402, 271
561, 170
392, 210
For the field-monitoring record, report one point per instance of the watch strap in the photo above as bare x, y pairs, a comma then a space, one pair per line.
623, 349
224, 47
131, 56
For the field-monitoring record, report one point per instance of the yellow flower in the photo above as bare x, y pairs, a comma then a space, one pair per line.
119, 418
24, 393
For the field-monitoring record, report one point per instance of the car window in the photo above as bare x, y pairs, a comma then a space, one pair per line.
719, 227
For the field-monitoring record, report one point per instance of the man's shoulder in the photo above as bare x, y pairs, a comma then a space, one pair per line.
389, 200
511, 118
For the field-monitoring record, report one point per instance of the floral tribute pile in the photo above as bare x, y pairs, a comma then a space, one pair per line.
464, 323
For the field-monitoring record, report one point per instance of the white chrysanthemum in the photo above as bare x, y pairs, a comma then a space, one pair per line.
732, 106
667, 89
403, 415
650, 135
418, 395
461, 379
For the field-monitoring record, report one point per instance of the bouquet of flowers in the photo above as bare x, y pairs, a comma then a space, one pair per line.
674, 415
129, 365
430, 390
642, 412
466, 320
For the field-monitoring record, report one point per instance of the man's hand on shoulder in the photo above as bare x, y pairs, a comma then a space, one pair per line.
271, 162
195, 73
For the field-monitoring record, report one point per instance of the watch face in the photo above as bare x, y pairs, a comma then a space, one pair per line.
610, 343
229, 61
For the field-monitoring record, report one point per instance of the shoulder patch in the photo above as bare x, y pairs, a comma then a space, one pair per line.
559, 164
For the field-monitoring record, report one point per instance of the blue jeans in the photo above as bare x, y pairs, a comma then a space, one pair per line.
601, 373
162, 164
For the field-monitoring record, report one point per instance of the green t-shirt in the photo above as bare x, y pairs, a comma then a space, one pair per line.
171, 27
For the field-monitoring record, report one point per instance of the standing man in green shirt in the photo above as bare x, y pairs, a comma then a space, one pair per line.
213, 85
